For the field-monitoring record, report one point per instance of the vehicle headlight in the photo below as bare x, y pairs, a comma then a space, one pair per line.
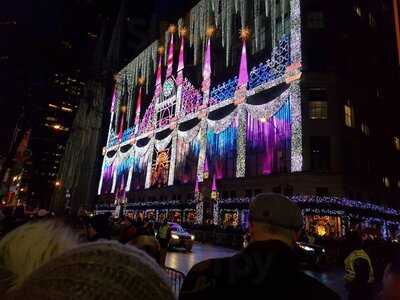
192, 237
175, 237
306, 248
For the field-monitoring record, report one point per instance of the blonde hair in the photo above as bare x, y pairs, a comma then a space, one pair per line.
28, 247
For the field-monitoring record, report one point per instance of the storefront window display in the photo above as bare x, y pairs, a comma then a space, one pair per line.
324, 226
230, 218
189, 216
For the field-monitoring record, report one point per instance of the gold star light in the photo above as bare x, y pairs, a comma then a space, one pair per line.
244, 33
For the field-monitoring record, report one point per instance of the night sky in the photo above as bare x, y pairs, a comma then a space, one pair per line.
33, 48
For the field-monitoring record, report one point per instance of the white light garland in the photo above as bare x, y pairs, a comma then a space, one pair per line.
218, 126
144, 65
268, 109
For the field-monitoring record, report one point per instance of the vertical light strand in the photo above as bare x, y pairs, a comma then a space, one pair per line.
202, 152
150, 154
114, 180
283, 2
256, 15
241, 142
297, 134
171, 174
273, 23
295, 33
243, 12
101, 177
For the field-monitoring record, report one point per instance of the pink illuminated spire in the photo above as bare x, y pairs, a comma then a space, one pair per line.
158, 75
243, 72
206, 168
196, 186
159, 70
121, 193
121, 127
170, 61
113, 100
214, 184
138, 108
207, 62
181, 64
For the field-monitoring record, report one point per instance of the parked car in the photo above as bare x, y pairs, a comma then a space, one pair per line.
180, 238
310, 254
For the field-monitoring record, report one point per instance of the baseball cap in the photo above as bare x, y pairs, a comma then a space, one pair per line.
277, 210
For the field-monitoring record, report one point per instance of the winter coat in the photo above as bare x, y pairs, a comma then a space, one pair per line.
264, 270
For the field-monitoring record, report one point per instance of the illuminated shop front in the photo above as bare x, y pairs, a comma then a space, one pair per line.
194, 131
217, 100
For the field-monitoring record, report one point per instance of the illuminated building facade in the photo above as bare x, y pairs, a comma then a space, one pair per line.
227, 106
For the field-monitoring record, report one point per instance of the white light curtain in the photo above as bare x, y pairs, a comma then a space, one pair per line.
162, 144
189, 135
269, 109
141, 151
218, 126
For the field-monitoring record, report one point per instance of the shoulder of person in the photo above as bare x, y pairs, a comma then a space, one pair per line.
315, 289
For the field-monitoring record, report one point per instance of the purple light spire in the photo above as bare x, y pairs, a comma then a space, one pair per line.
170, 56
181, 63
113, 100
214, 194
138, 109
207, 62
121, 192
214, 184
196, 186
243, 72
206, 170
158, 76
121, 127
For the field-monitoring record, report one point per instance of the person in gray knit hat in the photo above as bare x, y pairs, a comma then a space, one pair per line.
100, 270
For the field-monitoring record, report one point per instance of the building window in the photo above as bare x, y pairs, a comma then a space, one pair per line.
349, 115
320, 153
318, 110
386, 182
396, 141
315, 20
365, 129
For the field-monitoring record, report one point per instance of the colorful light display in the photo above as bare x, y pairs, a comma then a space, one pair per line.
192, 131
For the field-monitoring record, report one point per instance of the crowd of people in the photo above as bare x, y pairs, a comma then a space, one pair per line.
98, 257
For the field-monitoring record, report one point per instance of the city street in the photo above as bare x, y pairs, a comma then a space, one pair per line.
183, 261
